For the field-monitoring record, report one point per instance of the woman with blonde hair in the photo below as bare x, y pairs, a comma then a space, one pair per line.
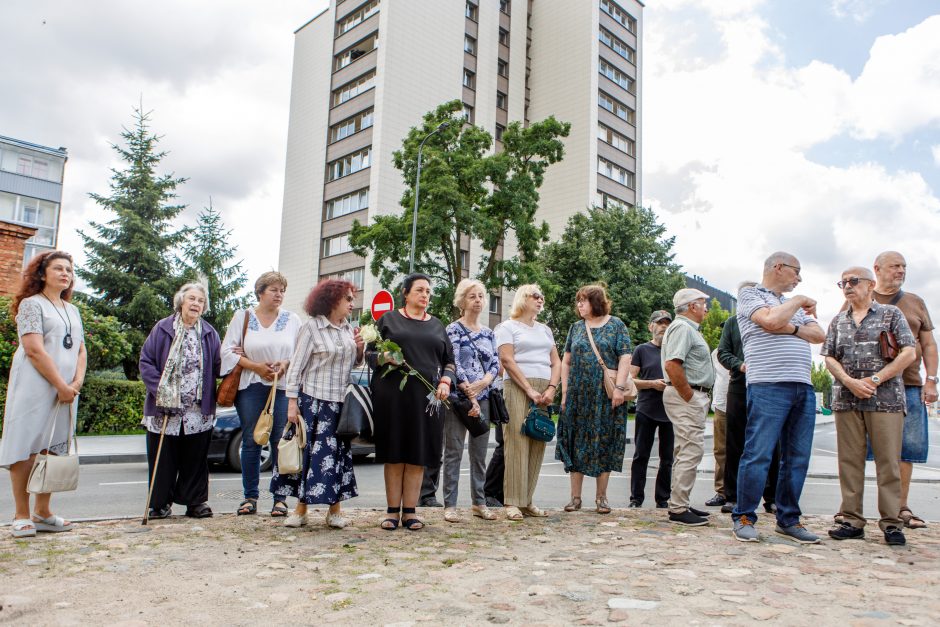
477, 364
532, 367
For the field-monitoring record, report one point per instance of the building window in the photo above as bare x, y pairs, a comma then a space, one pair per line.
468, 113
504, 36
625, 19
353, 162
353, 125
469, 79
36, 213
617, 46
504, 6
607, 201
356, 276
357, 17
464, 259
352, 53
469, 44
500, 129
616, 107
615, 139
336, 245
500, 100
472, 11
616, 75
613, 171
496, 304
502, 68
30, 165
350, 203
354, 88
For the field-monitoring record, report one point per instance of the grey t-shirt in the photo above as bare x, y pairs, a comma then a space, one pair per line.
683, 341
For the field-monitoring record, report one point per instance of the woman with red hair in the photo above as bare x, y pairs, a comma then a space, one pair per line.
328, 348
47, 372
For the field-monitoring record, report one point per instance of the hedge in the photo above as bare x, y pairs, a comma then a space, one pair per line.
105, 405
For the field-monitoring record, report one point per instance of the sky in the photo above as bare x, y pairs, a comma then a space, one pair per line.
810, 126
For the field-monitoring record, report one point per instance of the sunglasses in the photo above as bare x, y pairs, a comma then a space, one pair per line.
537, 296
853, 282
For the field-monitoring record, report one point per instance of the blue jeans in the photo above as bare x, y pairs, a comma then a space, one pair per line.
915, 442
249, 403
784, 412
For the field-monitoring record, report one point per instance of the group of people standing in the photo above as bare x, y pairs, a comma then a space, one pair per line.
765, 406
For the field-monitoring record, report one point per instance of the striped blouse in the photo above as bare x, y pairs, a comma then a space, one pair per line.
324, 356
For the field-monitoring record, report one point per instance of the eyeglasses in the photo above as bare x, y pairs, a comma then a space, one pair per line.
536, 296
795, 268
853, 282
350, 298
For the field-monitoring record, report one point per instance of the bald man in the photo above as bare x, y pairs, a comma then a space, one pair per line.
868, 400
890, 272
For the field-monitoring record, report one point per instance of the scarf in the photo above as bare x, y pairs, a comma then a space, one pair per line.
168, 390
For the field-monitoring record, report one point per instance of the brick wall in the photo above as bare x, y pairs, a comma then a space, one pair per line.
12, 244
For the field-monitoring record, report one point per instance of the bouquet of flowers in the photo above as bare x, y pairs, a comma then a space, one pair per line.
389, 353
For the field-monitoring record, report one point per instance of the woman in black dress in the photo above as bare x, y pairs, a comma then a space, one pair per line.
409, 431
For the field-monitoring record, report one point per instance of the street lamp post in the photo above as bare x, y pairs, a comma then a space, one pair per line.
414, 218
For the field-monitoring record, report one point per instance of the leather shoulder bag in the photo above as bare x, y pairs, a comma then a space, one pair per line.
228, 388
538, 423
355, 418
290, 450
887, 341
55, 473
265, 422
610, 376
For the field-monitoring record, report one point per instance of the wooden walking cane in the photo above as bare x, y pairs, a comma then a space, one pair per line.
153, 476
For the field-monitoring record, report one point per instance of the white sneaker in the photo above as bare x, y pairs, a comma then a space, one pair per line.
295, 520
336, 521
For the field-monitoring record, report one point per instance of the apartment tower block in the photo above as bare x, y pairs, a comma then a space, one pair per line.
365, 72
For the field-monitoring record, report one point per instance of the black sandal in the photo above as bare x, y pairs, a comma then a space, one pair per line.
199, 511
279, 510
411, 524
248, 506
393, 522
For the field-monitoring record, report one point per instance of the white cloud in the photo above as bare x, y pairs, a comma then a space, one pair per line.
726, 165
935, 150
856, 10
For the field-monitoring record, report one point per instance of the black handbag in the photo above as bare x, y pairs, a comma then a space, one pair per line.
355, 419
475, 425
499, 415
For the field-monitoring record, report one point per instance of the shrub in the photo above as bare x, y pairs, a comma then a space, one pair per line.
110, 406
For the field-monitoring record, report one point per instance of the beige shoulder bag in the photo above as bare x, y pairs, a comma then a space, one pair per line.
290, 450
610, 376
262, 432
55, 473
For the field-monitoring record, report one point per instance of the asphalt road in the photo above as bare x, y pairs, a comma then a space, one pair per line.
119, 490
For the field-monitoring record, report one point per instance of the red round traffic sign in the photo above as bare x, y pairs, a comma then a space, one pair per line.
382, 303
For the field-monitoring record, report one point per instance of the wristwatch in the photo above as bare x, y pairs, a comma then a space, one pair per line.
933, 379
875, 379
796, 329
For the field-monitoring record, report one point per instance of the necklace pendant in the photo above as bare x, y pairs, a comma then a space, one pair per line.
67, 340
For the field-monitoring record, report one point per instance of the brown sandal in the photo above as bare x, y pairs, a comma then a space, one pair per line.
574, 504
603, 507
910, 520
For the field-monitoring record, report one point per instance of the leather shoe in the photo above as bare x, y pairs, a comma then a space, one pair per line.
715, 501
770, 508
662, 505
199, 511
431, 502
157, 513
634, 505
728, 507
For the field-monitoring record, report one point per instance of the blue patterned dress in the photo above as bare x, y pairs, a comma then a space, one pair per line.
591, 434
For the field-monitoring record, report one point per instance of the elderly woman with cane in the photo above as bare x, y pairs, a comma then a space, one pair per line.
47, 372
179, 364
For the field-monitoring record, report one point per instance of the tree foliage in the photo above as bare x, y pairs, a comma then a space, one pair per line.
711, 325
465, 192
625, 248
209, 255
130, 258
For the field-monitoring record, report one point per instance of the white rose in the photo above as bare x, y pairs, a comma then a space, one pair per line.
369, 334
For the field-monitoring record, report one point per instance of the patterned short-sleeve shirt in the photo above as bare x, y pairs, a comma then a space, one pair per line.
857, 348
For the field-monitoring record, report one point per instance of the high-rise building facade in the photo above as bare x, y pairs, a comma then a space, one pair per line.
365, 72
31, 190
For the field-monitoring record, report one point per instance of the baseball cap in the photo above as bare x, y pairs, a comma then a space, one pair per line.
686, 296
660, 314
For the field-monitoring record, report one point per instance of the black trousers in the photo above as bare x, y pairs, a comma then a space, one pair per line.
643, 434
183, 472
735, 427
493, 488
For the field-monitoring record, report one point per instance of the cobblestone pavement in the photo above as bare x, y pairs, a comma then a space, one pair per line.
580, 568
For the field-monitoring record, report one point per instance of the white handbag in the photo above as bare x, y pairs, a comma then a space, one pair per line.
290, 450
55, 473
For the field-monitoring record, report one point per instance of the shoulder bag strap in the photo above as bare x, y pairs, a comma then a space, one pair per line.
269, 404
594, 348
466, 334
69, 434
245, 327
897, 298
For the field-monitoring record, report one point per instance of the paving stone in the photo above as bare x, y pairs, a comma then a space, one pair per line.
626, 603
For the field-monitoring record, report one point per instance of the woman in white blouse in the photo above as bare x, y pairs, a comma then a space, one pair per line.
264, 351
328, 348
532, 368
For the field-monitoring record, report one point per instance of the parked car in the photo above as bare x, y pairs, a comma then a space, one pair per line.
225, 445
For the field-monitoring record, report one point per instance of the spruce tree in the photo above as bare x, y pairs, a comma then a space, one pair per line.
208, 254
130, 259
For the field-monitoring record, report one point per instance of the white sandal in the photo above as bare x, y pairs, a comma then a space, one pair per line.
52, 524
451, 515
24, 528
336, 521
296, 520
484, 512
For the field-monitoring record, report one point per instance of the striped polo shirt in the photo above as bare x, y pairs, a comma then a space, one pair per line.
772, 358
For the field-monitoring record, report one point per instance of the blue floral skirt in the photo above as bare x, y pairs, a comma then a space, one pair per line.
327, 476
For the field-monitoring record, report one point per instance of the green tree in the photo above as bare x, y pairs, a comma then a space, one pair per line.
822, 382
130, 259
464, 193
711, 325
625, 248
209, 255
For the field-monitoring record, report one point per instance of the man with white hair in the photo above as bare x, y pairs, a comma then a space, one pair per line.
781, 403
689, 376
869, 402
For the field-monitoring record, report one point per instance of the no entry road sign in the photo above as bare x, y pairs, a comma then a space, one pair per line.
382, 303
